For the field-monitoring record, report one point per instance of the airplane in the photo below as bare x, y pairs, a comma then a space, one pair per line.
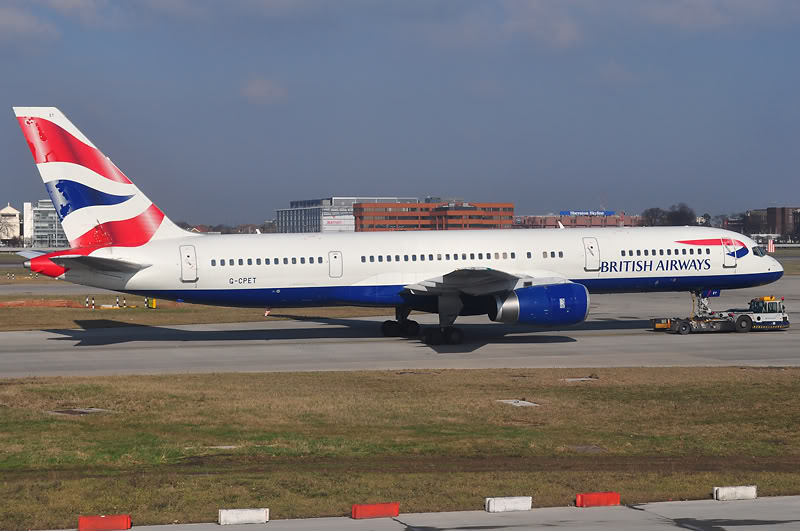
120, 240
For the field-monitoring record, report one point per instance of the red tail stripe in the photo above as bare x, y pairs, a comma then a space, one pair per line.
51, 143
131, 232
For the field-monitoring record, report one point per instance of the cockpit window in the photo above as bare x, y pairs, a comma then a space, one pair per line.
759, 251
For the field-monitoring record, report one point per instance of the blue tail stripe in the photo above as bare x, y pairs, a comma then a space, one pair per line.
69, 196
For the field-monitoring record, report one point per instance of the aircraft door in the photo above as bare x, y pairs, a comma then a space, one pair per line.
591, 251
188, 263
335, 264
728, 253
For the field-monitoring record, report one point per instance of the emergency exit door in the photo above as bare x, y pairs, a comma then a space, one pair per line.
592, 253
188, 263
335, 264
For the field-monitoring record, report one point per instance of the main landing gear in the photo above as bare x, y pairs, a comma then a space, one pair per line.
402, 327
449, 335
449, 308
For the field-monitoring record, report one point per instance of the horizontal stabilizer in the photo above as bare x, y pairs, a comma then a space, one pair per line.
30, 254
72, 261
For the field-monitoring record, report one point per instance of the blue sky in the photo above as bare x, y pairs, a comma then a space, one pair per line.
222, 112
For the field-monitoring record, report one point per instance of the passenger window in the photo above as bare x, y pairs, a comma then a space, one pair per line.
463, 256
544, 254
213, 263
630, 252
258, 261
405, 258
684, 251
371, 258
561, 254
294, 260
497, 256
552, 254
388, 258
241, 261
638, 252
472, 256
438, 256
505, 256
266, 261
455, 256
249, 261
676, 252
669, 252
319, 259
708, 251
430, 257
513, 255
447, 256
222, 262
480, 256
276, 261
397, 258
380, 258
285, 261
413, 258
691, 251
529, 254
488, 256
623, 252
302, 259
310, 259
645, 252
661, 252
363, 259
422, 258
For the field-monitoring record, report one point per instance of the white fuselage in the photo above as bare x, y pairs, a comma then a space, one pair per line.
373, 268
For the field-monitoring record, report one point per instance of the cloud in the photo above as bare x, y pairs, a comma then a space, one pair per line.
551, 23
20, 24
264, 91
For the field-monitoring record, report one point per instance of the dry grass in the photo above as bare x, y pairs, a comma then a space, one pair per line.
310, 444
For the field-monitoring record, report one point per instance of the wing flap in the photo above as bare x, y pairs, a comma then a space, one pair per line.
479, 281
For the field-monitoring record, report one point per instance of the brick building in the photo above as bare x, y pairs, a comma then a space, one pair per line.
432, 215
574, 219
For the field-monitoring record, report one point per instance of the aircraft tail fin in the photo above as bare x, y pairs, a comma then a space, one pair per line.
97, 204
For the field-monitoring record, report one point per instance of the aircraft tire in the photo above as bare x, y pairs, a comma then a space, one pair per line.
409, 328
433, 336
453, 336
390, 329
744, 324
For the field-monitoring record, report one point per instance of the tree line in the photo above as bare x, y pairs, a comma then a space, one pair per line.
677, 215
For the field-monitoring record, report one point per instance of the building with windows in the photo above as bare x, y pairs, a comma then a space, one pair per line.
783, 220
9, 223
577, 219
42, 227
333, 214
433, 214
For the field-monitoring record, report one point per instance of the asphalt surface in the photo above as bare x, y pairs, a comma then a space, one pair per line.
768, 514
617, 334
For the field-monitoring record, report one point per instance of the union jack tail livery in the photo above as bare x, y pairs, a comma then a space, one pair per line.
97, 204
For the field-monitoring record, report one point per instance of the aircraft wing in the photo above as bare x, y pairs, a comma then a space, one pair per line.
97, 263
481, 281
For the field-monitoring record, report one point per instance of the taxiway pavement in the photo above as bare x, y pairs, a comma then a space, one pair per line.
616, 334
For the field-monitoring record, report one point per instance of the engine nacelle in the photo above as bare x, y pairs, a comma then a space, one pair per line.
549, 305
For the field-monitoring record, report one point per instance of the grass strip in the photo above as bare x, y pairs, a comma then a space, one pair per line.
176, 448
